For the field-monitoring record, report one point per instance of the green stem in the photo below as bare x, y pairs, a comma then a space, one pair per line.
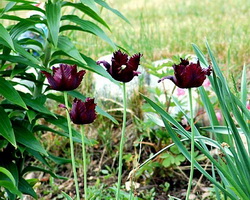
122, 142
84, 164
71, 147
192, 144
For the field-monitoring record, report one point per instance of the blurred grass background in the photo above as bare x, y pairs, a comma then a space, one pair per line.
162, 28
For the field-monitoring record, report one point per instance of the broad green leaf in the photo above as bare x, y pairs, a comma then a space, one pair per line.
31, 115
53, 14
26, 188
36, 104
91, 4
23, 52
27, 138
11, 187
19, 59
86, 10
9, 92
8, 174
65, 44
98, 109
6, 37
90, 27
20, 28
105, 5
6, 128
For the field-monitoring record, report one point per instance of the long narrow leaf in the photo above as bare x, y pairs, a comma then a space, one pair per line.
6, 130
91, 4
90, 27
6, 37
65, 44
9, 92
105, 5
86, 10
53, 14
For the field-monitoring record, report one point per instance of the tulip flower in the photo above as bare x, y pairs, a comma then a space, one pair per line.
122, 67
65, 77
83, 112
188, 75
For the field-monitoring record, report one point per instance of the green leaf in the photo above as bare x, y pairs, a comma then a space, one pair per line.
33, 169
24, 53
105, 5
11, 187
38, 156
26, 188
20, 28
65, 44
59, 160
90, 27
53, 14
8, 174
98, 109
200, 55
219, 129
9, 92
19, 59
243, 89
87, 11
31, 115
6, 128
36, 104
7, 8
27, 138
6, 37
66, 196
91, 4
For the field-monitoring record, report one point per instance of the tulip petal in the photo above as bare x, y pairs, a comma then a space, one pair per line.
51, 80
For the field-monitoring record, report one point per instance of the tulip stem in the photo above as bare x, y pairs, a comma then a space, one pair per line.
192, 144
71, 147
122, 142
84, 164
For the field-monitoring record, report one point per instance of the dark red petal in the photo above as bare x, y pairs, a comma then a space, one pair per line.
83, 112
105, 64
184, 62
53, 83
119, 58
134, 62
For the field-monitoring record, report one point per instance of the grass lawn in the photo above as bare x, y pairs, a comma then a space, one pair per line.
163, 28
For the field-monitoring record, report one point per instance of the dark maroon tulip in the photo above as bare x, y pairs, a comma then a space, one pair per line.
83, 112
65, 77
188, 75
122, 67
